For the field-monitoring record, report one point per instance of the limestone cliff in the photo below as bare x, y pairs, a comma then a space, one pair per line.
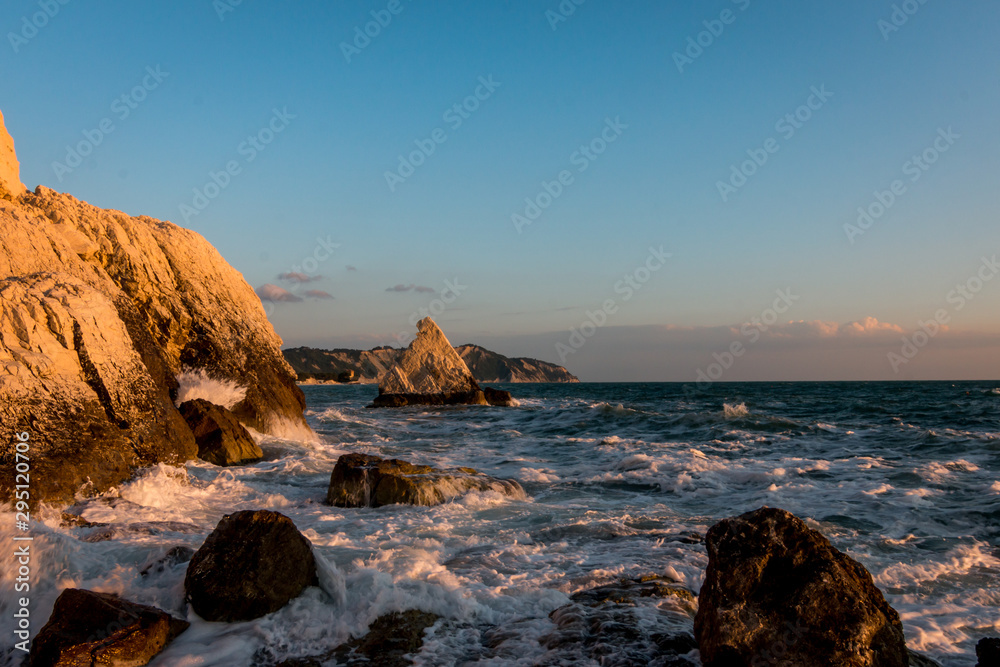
429, 365
369, 365
100, 314
10, 169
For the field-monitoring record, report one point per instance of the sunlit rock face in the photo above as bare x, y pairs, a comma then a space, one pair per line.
431, 372
430, 365
10, 169
102, 312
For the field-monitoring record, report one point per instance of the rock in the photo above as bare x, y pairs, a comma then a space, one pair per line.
390, 639
252, 564
102, 313
774, 587
71, 378
362, 480
175, 556
918, 660
10, 169
988, 652
346, 376
88, 628
430, 372
645, 621
498, 397
221, 438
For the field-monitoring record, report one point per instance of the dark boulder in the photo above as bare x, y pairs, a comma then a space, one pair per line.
499, 397
252, 564
776, 590
362, 480
221, 438
988, 652
88, 628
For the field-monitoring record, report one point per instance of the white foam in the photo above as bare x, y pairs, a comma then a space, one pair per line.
735, 411
197, 383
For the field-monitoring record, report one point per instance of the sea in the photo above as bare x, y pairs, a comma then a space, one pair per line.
622, 481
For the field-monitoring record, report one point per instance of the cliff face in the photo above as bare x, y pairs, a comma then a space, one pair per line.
100, 314
10, 169
489, 366
370, 365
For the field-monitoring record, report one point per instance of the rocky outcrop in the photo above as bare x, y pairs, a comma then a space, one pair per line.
604, 624
252, 564
102, 312
88, 628
316, 365
487, 366
430, 372
10, 169
362, 480
776, 590
221, 438
988, 652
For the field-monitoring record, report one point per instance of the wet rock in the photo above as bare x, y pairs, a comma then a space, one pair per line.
644, 621
918, 660
363, 480
252, 564
775, 589
430, 372
88, 628
175, 556
498, 397
988, 652
68, 520
221, 438
390, 639
105, 532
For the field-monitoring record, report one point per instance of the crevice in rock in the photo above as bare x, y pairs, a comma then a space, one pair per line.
93, 378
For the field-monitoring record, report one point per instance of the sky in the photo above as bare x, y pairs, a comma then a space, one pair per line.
644, 191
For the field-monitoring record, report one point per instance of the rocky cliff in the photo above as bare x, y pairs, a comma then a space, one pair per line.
369, 365
101, 312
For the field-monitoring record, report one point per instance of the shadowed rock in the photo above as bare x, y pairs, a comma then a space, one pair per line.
604, 624
775, 590
252, 564
430, 372
88, 628
221, 438
362, 480
988, 652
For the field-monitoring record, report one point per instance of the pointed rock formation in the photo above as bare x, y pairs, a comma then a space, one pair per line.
430, 372
101, 313
10, 170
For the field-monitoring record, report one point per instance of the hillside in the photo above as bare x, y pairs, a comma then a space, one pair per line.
368, 365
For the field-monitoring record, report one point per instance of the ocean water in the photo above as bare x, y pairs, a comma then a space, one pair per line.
622, 480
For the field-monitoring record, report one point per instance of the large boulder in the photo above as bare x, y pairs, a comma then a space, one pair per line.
252, 564
221, 438
430, 372
86, 290
363, 480
777, 591
88, 628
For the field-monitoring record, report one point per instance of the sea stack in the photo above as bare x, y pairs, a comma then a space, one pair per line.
430, 372
102, 312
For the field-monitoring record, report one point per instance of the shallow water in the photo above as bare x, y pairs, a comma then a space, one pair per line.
621, 479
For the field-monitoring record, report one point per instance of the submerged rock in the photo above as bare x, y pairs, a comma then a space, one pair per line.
174, 556
389, 642
430, 372
252, 564
88, 628
102, 312
776, 590
221, 438
642, 621
363, 480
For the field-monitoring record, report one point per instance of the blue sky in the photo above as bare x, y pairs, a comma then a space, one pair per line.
555, 86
